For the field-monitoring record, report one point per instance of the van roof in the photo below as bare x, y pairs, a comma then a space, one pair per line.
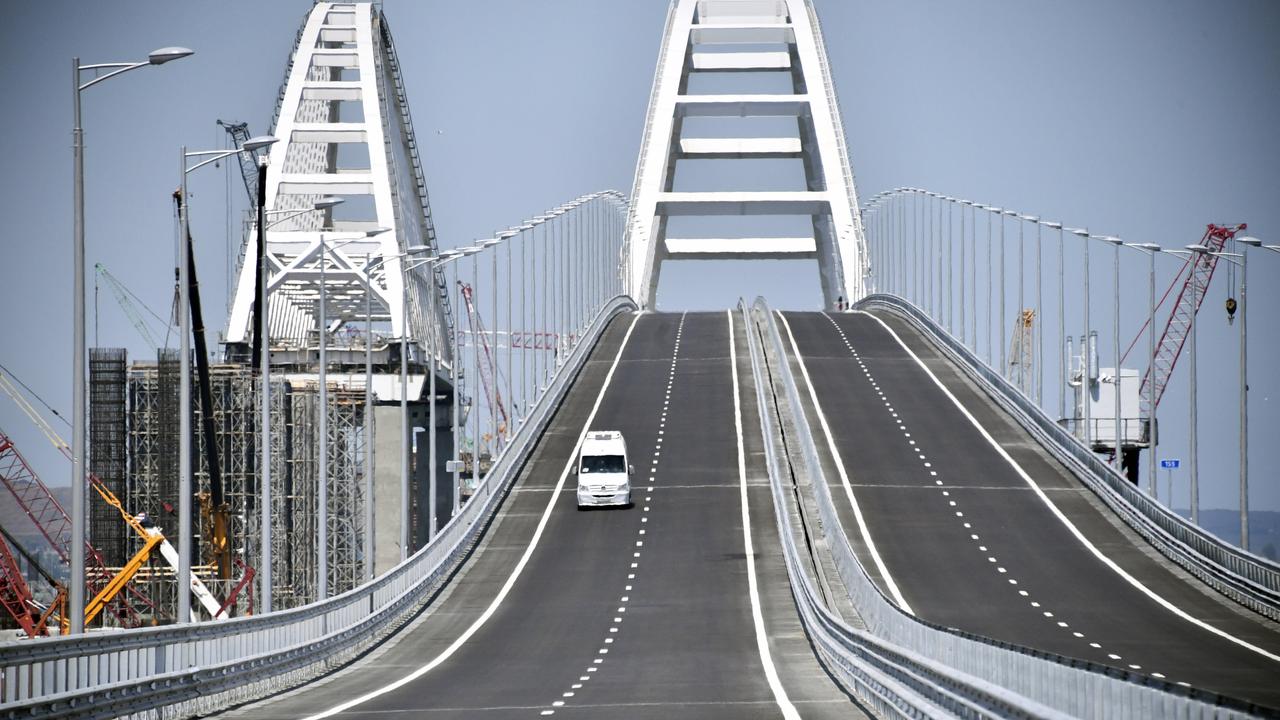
604, 442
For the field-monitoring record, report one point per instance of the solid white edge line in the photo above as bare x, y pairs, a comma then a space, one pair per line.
757, 614
515, 573
844, 477
1062, 517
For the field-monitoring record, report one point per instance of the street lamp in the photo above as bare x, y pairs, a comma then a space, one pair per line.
1150, 250
369, 267
204, 157
264, 395
80, 463
1062, 323
322, 405
458, 254
1085, 358
1243, 262
1038, 327
493, 407
1194, 255
1116, 242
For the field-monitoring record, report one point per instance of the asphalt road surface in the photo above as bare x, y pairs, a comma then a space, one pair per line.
617, 613
969, 543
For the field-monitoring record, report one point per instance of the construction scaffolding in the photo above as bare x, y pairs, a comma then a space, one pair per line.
108, 451
235, 392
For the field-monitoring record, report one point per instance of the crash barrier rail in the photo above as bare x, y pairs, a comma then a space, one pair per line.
194, 669
1251, 580
909, 667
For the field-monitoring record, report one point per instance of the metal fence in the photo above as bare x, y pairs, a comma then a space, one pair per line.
908, 667
1249, 579
185, 670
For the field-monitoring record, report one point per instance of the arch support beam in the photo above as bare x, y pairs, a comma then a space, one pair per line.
775, 36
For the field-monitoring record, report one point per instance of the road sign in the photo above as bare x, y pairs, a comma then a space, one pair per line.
1170, 464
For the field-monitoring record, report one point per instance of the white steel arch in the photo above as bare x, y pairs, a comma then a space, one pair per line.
344, 130
744, 36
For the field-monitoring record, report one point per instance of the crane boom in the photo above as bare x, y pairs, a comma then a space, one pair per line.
1198, 272
130, 305
239, 133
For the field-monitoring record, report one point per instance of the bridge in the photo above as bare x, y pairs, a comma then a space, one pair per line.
878, 508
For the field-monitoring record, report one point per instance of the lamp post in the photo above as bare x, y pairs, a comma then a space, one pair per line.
1117, 459
1037, 327
973, 273
992, 211
205, 157
79, 451
493, 407
1085, 359
264, 397
459, 253
322, 411
1062, 322
1150, 250
433, 353
1243, 263
963, 323
1194, 254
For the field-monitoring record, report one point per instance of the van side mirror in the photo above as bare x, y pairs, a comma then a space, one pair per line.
631, 469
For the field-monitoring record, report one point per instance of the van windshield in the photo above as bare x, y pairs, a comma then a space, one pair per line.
603, 464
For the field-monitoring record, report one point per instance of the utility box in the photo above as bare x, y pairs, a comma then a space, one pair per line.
1102, 411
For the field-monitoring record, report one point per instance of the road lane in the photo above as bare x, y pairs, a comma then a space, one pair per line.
972, 546
605, 620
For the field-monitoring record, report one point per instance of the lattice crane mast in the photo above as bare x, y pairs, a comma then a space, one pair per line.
1021, 368
131, 305
239, 133
1194, 277
488, 370
15, 593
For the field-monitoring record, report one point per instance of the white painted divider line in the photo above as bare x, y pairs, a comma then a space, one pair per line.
515, 573
1061, 516
844, 476
757, 615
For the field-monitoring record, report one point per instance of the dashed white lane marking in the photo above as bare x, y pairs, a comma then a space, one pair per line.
992, 560
1102, 557
844, 478
515, 572
624, 599
748, 547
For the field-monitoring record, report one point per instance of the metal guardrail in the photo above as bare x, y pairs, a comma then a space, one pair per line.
1251, 580
200, 668
909, 667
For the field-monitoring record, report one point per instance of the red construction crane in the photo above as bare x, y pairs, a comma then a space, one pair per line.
15, 595
1194, 277
53, 522
488, 373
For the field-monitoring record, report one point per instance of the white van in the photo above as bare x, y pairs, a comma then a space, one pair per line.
604, 475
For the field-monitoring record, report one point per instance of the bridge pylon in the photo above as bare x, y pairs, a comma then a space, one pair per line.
781, 37
344, 132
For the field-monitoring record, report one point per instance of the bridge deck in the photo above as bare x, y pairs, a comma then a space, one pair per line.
685, 644
976, 548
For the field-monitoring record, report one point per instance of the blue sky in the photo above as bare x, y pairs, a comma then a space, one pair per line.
1145, 119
